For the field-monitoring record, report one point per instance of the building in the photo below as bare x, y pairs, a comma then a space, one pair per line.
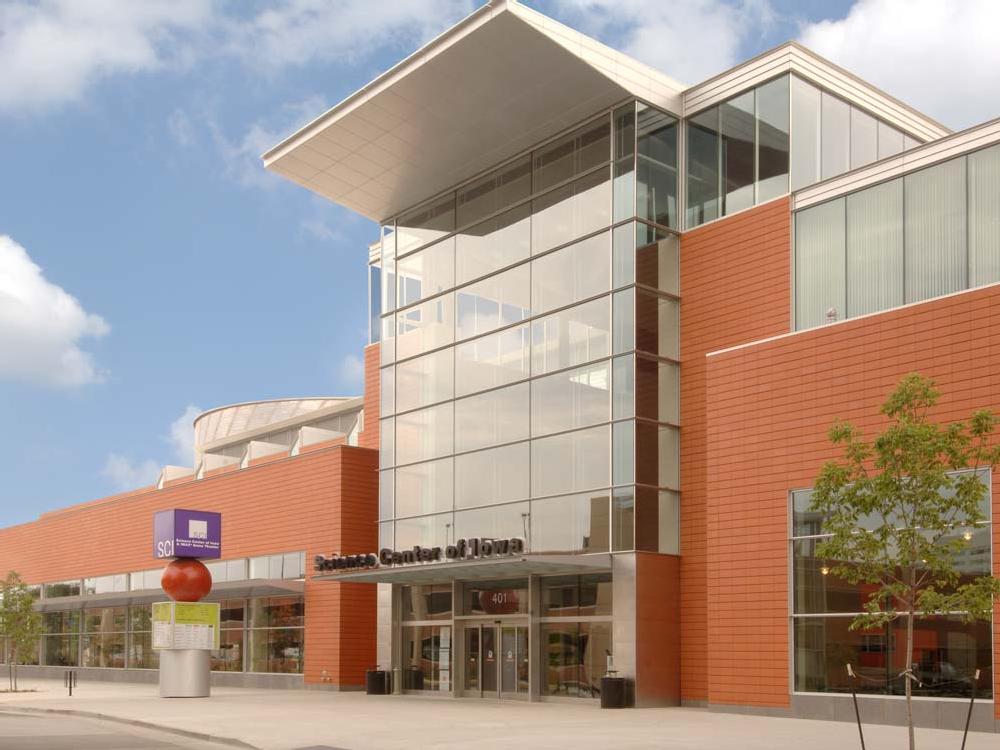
612, 317
290, 477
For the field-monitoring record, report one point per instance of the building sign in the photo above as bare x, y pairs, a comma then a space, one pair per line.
187, 533
185, 625
475, 548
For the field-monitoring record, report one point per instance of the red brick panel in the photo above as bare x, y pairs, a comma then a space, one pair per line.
769, 408
369, 437
735, 288
658, 657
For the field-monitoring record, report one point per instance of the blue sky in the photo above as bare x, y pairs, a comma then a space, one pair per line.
149, 267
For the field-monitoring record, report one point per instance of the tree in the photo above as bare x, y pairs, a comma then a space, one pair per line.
20, 624
900, 510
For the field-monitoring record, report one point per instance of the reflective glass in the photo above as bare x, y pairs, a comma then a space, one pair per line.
426, 326
424, 434
657, 324
425, 380
864, 138
657, 390
657, 520
576, 596
656, 161
491, 418
572, 274
229, 656
277, 612
623, 519
890, 140
570, 337
571, 211
836, 146
623, 242
279, 650
105, 650
623, 452
984, 216
820, 275
703, 169
499, 189
496, 597
491, 361
571, 462
738, 127
656, 261
623, 321
493, 522
425, 224
387, 345
571, 155
772, 139
426, 602
387, 391
624, 165
385, 493
140, 651
492, 476
574, 655
875, 248
425, 531
387, 443
806, 130
426, 273
622, 387
657, 455
571, 399
425, 487
576, 523
493, 244
494, 302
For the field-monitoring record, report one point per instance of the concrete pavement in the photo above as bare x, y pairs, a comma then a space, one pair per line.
56, 732
295, 719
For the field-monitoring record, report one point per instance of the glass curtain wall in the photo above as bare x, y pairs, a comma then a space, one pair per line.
426, 637
531, 382
575, 630
948, 651
918, 236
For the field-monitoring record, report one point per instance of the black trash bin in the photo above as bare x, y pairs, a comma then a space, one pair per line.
614, 693
377, 682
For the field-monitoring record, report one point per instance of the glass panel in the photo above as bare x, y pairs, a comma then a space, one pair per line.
493, 244
140, 651
623, 453
387, 391
576, 596
820, 260
229, 656
426, 531
494, 302
60, 650
501, 188
571, 462
623, 254
947, 653
890, 140
508, 660
424, 434
426, 602
494, 417
657, 455
836, 150
62, 588
472, 658
984, 216
425, 380
623, 519
669, 522
387, 444
387, 346
656, 179
490, 659
386, 537
423, 225
277, 612
703, 167
492, 476
572, 155
505, 597
657, 325
426, 657
936, 221
623, 321
805, 133
104, 620
738, 151
388, 279
490, 361
656, 262
570, 337
572, 274
574, 210
657, 390
570, 399
236, 570
385, 493
277, 650
576, 523
772, 139
624, 166
909, 142
105, 650
875, 248
424, 488
232, 614
374, 303
574, 657
493, 522
864, 138
426, 273
622, 387
427, 326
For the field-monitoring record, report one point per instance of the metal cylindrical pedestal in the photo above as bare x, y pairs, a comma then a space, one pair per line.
185, 673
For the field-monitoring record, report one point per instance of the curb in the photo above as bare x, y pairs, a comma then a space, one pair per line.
130, 722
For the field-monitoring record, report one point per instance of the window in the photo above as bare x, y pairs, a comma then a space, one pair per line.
657, 324
571, 399
508, 521
495, 302
425, 224
229, 656
140, 638
820, 246
984, 216
575, 657
576, 596
497, 475
61, 589
703, 167
60, 643
424, 434
805, 140
936, 221
426, 326
571, 337
508, 596
104, 631
772, 139
426, 602
427, 531
574, 523
493, 244
425, 487
656, 162
501, 188
864, 138
836, 143
875, 248
571, 211
571, 462
737, 124
425, 652
572, 274
426, 273
425, 380
105, 584
571, 155
491, 418
491, 361
276, 634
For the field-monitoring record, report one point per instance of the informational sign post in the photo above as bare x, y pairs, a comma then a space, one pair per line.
185, 625
187, 533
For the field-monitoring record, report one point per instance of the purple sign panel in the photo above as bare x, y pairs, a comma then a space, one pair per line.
187, 533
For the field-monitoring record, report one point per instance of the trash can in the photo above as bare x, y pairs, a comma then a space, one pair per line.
377, 682
613, 692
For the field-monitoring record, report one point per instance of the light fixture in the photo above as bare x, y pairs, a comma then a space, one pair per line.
824, 570
967, 536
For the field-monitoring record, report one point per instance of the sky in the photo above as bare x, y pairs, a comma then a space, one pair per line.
151, 269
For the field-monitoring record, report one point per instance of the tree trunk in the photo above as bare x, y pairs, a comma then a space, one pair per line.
909, 677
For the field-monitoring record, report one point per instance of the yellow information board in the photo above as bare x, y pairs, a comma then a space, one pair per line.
186, 625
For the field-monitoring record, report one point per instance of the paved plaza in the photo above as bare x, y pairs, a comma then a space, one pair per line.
292, 719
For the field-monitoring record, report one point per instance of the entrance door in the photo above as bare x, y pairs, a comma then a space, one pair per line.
496, 661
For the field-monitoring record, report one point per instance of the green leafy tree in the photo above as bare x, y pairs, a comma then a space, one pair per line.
20, 624
900, 516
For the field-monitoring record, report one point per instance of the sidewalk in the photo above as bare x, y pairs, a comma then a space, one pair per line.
288, 719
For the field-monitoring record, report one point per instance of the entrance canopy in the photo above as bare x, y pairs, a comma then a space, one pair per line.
495, 84
470, 570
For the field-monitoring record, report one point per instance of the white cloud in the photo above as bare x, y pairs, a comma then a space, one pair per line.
351, 371
180, 127
128, 475
52, 51
41, 325
941, 57
688, 40
181, 435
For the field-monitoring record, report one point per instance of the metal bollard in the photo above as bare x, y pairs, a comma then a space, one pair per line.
69, 680
972, 701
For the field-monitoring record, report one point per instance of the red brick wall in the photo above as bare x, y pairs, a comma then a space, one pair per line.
369, 437
735, 287
324, 501
657, 629
769, 408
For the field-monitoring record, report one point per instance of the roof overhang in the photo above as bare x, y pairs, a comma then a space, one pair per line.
471, 570
228, 590
494, 85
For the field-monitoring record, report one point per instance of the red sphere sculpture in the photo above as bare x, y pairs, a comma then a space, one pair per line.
186, 579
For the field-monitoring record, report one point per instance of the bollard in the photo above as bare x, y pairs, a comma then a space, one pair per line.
69, 680
972, 701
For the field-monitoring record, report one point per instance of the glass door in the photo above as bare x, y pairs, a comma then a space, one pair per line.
497, 661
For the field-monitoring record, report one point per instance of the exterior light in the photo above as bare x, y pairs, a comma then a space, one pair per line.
967, 536
824, 570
